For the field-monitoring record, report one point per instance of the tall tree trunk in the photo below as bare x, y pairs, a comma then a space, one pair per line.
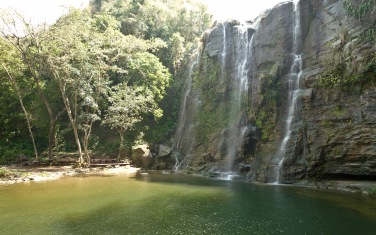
51, 143
15, 85
52, 134
67, 105
62, 87
36, 75
75, 131
121, 147
86, 143
52, 121
34, 65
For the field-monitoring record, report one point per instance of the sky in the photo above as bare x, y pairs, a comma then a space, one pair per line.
239, 9
40, 11
48, 11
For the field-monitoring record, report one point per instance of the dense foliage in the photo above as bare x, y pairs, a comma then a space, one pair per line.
179, 23
117, 63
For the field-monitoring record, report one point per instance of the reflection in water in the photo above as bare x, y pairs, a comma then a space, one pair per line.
173, 204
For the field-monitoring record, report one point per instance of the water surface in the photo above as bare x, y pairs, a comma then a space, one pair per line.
177, 204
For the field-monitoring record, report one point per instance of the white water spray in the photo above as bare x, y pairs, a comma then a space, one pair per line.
184, 135
294, 91
240, 87
233, 135
224, 52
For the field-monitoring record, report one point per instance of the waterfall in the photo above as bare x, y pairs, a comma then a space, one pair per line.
294, 91
183, 140
224, 52
232, 136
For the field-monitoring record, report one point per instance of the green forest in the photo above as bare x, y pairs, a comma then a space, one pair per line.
98, 81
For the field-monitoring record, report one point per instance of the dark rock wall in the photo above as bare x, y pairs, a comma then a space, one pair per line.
336, 137
334, 134
213, 81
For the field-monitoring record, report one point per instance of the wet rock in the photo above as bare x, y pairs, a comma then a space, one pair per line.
214, 174
334, 131
164, 151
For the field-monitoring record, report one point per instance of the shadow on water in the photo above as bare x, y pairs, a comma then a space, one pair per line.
171, 204
364, 206
355, 202
183, 204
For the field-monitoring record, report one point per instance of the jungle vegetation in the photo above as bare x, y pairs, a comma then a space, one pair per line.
100, 79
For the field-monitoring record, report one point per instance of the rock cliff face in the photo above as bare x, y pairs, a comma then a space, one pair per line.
333, 130
335, 135
222, 81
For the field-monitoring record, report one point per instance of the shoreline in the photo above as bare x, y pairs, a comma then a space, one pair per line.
16, 174
20, 174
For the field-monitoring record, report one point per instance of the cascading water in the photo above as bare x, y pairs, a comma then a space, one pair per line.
224, 52
232, 136
184, 135
294, 91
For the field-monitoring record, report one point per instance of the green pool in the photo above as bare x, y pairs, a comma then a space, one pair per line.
177, 204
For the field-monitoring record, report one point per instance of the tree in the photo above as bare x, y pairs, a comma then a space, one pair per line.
179, 23
83, 53
27, 117
147, 73
162, 19
25, 38
178, 50
79, 56
127, 105
10, 60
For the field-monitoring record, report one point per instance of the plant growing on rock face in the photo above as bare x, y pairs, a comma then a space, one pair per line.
336, 76
364, 11
210, 121
213, 115
208, 79
332, 77
352, 64
360, 9
265, 117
